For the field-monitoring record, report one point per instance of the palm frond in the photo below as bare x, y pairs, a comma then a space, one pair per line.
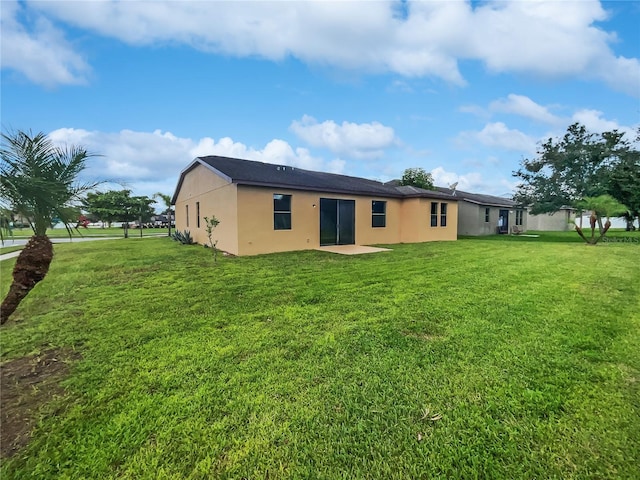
38, 179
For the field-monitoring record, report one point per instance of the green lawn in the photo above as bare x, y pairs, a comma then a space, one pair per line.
482, 358
88, 232
8, 248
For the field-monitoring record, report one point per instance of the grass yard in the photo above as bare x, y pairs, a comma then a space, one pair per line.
483, 358
10, 248
86, 232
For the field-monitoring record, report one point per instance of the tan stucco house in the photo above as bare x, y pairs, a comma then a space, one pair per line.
480, 214
265, 208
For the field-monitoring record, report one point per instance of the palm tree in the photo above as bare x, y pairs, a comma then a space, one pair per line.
602, 205
38, 180
167, 201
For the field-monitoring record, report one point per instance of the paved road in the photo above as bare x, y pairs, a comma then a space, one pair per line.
23, 241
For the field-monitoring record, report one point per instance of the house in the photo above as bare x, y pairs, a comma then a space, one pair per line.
480, 214
562, 220
264, 208
161, 220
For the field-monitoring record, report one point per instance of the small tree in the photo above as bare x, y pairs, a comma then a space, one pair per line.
600, 206
38, 181
210, 225
119, 205
167, 202
417, 177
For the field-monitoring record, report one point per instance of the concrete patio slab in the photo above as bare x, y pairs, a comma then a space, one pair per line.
352, 249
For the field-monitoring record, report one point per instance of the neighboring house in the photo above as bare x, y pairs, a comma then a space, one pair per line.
264, 208
480, 214
561, 220
162, 220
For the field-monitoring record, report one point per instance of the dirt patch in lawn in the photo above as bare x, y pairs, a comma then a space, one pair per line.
26, 385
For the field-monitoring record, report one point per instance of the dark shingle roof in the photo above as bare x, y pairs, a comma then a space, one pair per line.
479, 198
248, 172
411, 191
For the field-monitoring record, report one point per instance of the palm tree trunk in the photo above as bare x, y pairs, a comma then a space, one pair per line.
31, 266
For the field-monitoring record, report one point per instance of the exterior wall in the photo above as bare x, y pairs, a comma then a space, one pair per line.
416, 221
390, 233
255, 221
556, 221
471, 219
256, 234
216, 197
246, 216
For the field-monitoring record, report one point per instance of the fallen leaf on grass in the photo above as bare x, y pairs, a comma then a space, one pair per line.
426, 415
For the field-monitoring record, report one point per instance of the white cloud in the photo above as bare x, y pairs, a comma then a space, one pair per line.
471, 182
594, 122
525, 107
39, 51
498, 135
356, 140
146, 161
475, 110
551, 39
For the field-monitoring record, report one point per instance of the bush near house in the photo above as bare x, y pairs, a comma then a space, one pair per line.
482, 358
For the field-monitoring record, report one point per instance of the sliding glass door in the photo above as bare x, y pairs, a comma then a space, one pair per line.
337, 221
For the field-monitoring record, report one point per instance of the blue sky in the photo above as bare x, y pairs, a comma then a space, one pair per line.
465, 90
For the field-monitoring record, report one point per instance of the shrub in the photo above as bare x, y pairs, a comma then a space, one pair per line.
184, 238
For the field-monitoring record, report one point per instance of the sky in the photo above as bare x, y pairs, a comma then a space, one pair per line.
465, 90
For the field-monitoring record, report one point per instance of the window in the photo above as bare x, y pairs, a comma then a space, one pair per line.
487, 211
198, 214
281, 212
378, 213
186, 207
443, 214
519, 217
434, 214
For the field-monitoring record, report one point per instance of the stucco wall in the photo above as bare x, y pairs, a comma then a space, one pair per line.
471, 220
416, 221
255, 221
257, 235
216, 197
556, 221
